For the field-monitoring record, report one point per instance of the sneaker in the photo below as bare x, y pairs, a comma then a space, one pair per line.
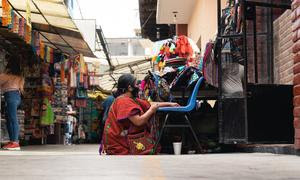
6, 145
12, 146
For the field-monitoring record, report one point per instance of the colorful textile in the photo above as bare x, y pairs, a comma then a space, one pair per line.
51, 55
73, 81
6, 13
37, 43
11, 23
120, 132
183, 47
86, 82
42, 50
48, 54
21, 27
28, 34
81, 103
210, 67
15, 28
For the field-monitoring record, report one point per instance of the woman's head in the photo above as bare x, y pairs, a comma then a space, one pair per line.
127, 83
13, 66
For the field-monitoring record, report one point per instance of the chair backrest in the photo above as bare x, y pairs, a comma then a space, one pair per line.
192, 100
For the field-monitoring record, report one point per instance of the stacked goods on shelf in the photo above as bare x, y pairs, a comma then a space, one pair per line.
60, 101
4, 133
21, 118
31, 102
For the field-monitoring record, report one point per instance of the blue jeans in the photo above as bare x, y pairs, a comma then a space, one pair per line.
12, 100
68, 132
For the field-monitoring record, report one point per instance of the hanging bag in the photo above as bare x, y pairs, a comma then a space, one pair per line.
141, 143
47, 117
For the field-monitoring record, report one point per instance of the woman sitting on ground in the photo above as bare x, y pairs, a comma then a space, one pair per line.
129, 126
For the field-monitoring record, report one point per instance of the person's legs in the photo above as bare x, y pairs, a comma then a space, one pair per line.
67, 133
70, 132
66, 138
12, 100
12, 105
9, 126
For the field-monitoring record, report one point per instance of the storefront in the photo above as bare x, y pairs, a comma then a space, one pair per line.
50, 48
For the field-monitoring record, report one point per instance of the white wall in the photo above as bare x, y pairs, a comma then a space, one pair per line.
203, 22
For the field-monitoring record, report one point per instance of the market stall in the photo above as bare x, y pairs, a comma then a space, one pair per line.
55, 73
177, 67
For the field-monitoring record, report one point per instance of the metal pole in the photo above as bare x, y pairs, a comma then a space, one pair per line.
0, 120
271, 68
53, 27
244, 6
218, 45
219, 61
255, 47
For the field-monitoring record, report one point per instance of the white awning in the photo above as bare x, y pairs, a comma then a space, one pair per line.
52, 19
139, 68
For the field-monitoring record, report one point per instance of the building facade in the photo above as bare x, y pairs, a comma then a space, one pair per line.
196, 19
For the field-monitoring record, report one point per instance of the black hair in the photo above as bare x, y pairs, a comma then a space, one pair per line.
124, 82
13, 66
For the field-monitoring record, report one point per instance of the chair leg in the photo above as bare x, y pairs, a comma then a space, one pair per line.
161, 133
193, 133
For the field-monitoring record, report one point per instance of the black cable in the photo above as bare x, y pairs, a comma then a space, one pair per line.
38, 31
53, 26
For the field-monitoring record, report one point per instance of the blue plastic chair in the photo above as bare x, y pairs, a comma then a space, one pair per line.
185, 110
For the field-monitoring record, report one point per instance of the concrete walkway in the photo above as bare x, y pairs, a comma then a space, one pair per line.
82, 162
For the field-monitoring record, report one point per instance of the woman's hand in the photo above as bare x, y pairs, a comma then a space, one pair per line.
174, 105
154, 107
165, 104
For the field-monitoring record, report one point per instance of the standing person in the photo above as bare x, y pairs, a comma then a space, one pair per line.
12, 84
70, 124
106, 106
129, 126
